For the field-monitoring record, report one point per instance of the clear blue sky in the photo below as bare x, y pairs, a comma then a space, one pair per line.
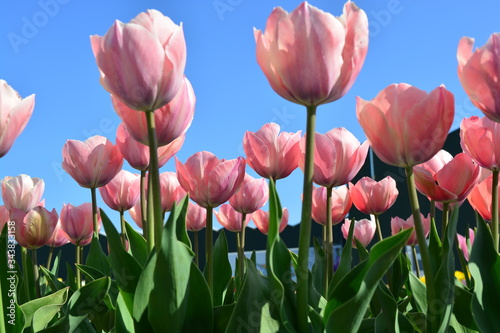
45, 49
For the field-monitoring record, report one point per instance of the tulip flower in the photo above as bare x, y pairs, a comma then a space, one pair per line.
122, 192
196, 218
231, 219
340, 203
398, 224
34, 228
171, 120
22, 192
76, 221
480, 198
372, 197
137, 154
252, 195
4, 217
59, 237
364, 230
338, 157
465, 244
142, 62
405, 125
479, 138
171, 191
311, 57
479, 73
261, 220
15, 112
136, 214
272, 154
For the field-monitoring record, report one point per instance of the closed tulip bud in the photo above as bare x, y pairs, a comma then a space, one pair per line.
341, 204
22, 192
59, 237
230, 219
270, 153
479, 139
171, 191
466, 243
398, 224
35, 228
372, 197
15, 112
92, 163
364, 230
121, 192
142, 62
261, 220
77, 223
252, 195
196, 218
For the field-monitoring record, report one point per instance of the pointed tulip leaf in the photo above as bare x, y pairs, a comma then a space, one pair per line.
138, 245
319, 267
199, 314
96, 257
123, 318
39, 312
222, 267
345, 260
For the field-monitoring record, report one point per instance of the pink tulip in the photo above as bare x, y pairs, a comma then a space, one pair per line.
398, 224
338, 156
59, 237
196, 218
22, 192
4, 217
15, 112
231, 219
121, 192
405, 125
270, 153
341, 204
137, 154
171, 191
92, 163
136, 213
252, 195
142, 62
479, 139
35, 228
462, 243
445, 178
77, 223
372, 197
311, 57
479, 73
480, 198
171, 120
261, 220
364, 230
208, 180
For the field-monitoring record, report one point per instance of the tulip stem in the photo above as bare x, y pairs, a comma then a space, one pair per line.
379, 230
209, 265
94, 211
196, 250
49, 258
444, 223
123, 234
78, 261
26, 275
240, 237
415, 260
144, 209
305, 225
432, 209
329, 240
494, 209
419, 229
34, 262
154, 210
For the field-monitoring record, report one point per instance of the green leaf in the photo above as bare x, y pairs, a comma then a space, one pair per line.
70, 278
418, 293
462, 307
96, 257
144, 288
90, 272
435, 247
222, 267
399, 274
351, 296
138, 246
54, 283
123, 318
39, 312
390, 320
199, 315
345, 260
484, 265
319, 267
180, 227
222, 315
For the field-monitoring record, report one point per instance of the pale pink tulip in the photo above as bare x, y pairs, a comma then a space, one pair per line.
311, 57
137, 154
136, 213
270, 153
4, 217
261, 220
92, 163
398, 224
142, 62
34, 228
405, 125
171, 120
479, 139
22, 192
171, 191
372, 197
77, 223
462, 243
479, 73
59, 237
364, 230
445, 178
231, 219
341, 204
15, 112
252, 195
208, 180
196, 218
480, 198
338, 157
122, 191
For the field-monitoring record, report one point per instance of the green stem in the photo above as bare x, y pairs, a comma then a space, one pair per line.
415, 260
305, 225
154, 212
433, 209
34, 262
208, 250
144, 209
329, 240
379, 230
94, 211
241, 247
49, 258
78, 261
26, 282
123, 234
494, 209
196, 250
444, 223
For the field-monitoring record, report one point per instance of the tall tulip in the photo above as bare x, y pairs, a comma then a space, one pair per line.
364, 230
272, 154
15, 112
252, 195
22, 192
142, 62
479, 73
261, 220
34, 228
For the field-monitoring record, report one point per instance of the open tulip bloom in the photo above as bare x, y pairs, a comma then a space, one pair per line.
155, 280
